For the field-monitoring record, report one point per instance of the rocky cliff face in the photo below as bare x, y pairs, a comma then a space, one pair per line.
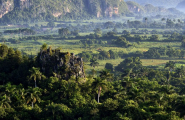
106, 8
64, 65
37, 10
135, 8
24, 4
98, 8
5, 7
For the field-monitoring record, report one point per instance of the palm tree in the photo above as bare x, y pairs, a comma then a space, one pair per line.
171, 66
33, 95
106, 75
35, 73
10, 90
58, 111
5, 102
99, 84
20, 96
180, 105
180, 71
44, 47
54, 108
134, 92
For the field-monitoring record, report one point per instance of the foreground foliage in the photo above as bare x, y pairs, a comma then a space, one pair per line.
133, 92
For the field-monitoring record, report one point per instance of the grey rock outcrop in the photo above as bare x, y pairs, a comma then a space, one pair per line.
61, 64
6, 6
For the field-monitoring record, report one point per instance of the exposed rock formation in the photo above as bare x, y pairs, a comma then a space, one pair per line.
37, 10
24, 4
5, 7
64, 65
135, 8
99, 8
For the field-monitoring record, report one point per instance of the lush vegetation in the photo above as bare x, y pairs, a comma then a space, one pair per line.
53, 10
131, 68
132, 92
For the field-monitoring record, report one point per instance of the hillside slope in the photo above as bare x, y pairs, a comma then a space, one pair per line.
19, 11
165, 3
13, 11
181, 6
149, 9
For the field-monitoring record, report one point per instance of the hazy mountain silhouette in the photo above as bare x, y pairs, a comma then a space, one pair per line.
181, 6
165, 3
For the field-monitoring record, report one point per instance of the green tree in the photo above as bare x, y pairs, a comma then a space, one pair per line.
94, 63
170, 65
98, 31
35, 73
58, 111
152, 53
44, 47
99, 84
106, 75
129, 63
51, 24
180, 71
5, 102
183, 43
115, 30
109, 66
122, 42
3, 50
33, 95
63, 32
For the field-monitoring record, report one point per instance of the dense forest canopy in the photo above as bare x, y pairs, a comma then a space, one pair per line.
139, 93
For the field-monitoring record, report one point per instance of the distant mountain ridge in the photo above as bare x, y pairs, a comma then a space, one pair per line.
28, 10
16, 11
149, 9
165, 3
181, 6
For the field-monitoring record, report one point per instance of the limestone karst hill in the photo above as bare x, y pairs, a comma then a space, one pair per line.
19, 11
64, 65
35, 10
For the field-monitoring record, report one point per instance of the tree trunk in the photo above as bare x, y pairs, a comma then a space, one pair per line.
98, 98
99, 92
32, 104
168, 77
35, 84
53, 115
